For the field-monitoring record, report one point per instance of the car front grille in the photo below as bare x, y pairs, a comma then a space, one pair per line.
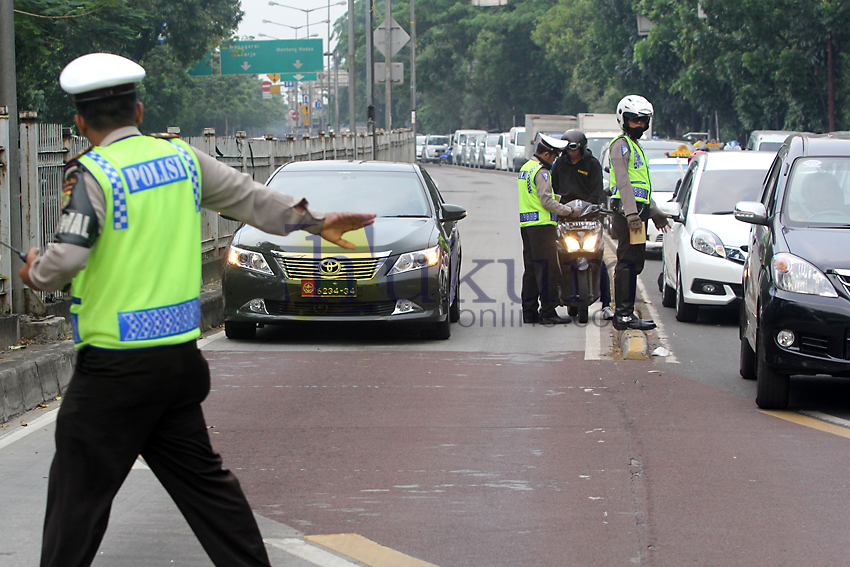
844, 277
326, 308
816, 345
334, 268
736, 255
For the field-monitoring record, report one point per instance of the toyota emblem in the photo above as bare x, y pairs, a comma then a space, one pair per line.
330, 267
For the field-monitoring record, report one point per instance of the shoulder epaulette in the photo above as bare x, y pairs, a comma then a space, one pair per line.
73, 161
164, 136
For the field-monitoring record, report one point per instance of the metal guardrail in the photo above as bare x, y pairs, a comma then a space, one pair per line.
45, 148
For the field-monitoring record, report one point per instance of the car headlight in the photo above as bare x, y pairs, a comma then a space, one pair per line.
707, 242
248, 260
794, 274
416, 260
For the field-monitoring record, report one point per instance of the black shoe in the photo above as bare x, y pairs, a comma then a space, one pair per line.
530, 318
624, 322
554, 320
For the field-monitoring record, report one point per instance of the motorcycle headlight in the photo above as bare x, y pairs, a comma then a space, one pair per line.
416, 260
590, 241
707, 242
792, 273
248, 260
572, 243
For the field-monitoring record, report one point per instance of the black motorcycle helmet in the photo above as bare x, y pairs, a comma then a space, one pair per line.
576, 139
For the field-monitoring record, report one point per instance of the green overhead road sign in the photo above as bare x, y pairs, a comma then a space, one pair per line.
285, 56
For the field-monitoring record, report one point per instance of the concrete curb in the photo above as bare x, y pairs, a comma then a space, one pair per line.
35, 377
633, 345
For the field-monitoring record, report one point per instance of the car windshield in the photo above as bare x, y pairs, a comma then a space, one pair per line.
598, 145
817, 192
492, 139
770, 146
520, 138
719, 190
385, 193
438, 140
664, 177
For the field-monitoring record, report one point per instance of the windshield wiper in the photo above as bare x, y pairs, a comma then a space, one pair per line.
723, 212
404, 216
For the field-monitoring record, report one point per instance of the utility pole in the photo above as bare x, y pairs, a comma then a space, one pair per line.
8, 98
413, 66
352, 114
388, 112
370, 74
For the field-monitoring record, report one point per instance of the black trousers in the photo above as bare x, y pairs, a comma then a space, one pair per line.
542, 273
630, 261
120, 404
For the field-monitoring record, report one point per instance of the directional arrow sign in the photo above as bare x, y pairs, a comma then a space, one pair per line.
284, 56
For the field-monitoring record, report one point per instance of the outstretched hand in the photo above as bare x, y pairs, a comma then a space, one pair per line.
337, 224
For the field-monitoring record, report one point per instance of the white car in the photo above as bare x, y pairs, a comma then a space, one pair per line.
704, 251
420, 146
486, 156
502, 151
665, 174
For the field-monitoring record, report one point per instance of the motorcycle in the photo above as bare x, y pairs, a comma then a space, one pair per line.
446, 157
580, 251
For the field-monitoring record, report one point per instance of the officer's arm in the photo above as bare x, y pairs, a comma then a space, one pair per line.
544, 192
620, 153
237, 195
83, 210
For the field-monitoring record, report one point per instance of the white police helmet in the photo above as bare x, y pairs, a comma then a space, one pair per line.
100, 75
635, 105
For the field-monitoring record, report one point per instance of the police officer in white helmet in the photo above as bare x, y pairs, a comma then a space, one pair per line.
129, 241
631, 200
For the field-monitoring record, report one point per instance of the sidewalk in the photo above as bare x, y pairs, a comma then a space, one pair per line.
38, 373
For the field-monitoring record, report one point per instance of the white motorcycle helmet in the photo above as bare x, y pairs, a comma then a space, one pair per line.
634, 106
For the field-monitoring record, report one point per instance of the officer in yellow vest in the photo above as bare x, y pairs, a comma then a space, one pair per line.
631, 200
129, 238
539, 210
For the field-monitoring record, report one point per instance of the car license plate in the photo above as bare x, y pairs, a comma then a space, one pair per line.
328, 288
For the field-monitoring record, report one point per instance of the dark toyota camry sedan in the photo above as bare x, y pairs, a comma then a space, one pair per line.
405, 268
795, 316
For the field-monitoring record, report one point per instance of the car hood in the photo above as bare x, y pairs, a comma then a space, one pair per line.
826, 248
396, 235
730, 230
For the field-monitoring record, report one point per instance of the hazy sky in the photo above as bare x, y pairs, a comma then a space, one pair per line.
258, 10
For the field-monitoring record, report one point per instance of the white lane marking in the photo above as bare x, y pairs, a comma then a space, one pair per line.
212, 338
659, 331
307, 552
31, 427
593, 337
827, 418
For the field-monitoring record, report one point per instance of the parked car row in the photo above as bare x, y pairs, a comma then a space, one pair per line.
487, 150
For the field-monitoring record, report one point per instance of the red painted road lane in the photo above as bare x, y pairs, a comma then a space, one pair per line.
470, 459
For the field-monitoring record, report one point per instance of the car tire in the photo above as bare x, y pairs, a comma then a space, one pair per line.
773, 388
685, 312
668, 294
454, 308
747, 361
439, 331
240, 331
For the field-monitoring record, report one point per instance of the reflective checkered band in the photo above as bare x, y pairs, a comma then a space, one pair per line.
119, 199
75, 328
529, 217
640, 192
159, 322
193, 174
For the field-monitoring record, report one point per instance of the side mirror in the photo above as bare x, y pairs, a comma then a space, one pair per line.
452, 213
673, 209
751, 212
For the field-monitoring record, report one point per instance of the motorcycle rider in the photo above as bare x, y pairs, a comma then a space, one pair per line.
539, 210
577, 174
631, 200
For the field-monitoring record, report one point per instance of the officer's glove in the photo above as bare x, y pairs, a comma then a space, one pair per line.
634, 222
660, 221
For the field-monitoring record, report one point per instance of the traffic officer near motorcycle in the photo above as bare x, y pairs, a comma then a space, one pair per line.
539, 210
577, 174
631, 200
129, 240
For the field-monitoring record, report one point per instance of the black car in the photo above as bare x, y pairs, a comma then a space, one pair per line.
795, 316
405, 267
